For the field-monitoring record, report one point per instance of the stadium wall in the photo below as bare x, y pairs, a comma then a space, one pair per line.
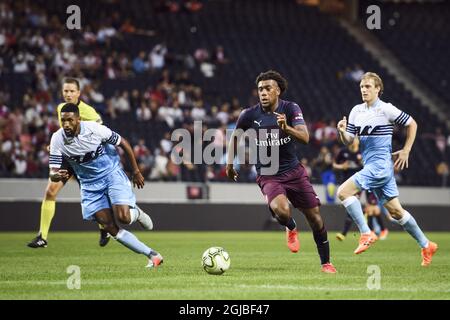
24, 216
224, 206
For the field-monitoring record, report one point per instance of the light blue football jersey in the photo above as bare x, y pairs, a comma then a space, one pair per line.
374, 126
88, 153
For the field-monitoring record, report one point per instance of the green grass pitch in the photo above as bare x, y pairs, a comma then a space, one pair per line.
261, 268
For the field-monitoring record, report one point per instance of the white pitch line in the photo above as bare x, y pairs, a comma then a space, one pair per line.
315, 288
242, 286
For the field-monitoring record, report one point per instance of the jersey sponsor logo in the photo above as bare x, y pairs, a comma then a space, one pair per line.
299, 116
258, 122
379, 130
88, 156
272, 140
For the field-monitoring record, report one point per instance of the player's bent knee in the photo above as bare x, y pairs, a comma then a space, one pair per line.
396, 213
281, 210
341, 193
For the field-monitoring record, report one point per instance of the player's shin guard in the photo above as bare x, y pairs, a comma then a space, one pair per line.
47, 213
130, 241
354, 209
323, 245
410, 225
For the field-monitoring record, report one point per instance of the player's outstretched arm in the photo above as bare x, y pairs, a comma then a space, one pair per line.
138, 179
401, 156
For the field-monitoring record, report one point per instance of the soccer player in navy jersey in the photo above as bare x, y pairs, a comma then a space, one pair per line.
279, 126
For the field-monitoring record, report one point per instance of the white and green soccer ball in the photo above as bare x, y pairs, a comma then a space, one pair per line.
215, 260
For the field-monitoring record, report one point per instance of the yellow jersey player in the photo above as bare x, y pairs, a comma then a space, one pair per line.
71, 94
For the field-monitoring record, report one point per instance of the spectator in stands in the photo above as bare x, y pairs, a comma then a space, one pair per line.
198, 113
356, 73
324, 162
20, 163
443, 171
201, 54
440, 139
157, 56
220, 56
139, 64
305, 163
224, 114
123, 103
143, 113
159, 170
207, 68
166, 144
20, 64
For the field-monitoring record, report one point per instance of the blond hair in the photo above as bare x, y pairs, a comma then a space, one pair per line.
376, 79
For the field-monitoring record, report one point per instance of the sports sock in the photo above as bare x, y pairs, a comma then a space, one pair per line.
410, 225
130, 241
380, 222
370, 222
353, 207
47, 213
291, 225
134, 214
323, 245
347, 224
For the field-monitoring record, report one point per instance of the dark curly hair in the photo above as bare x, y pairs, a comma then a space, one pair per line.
70, 107
273, 75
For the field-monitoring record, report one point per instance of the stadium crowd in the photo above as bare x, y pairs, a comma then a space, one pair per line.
35, 46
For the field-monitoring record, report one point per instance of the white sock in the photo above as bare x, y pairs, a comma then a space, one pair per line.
134, 214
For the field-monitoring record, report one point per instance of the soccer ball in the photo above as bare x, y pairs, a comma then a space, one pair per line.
215, 260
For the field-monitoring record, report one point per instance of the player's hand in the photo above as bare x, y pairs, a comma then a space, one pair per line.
401, 159
345, 165
138, 179
60, 175
342, 125
231, 173
281, 120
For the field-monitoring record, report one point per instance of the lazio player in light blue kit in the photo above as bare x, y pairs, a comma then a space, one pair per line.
106, 191
373, 122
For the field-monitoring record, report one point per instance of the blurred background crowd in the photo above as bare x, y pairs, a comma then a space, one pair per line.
151, 67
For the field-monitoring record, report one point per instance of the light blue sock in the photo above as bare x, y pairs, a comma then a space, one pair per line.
130, 241
354, 209
410, 225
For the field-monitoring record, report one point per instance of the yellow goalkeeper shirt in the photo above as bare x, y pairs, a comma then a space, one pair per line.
87, 113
